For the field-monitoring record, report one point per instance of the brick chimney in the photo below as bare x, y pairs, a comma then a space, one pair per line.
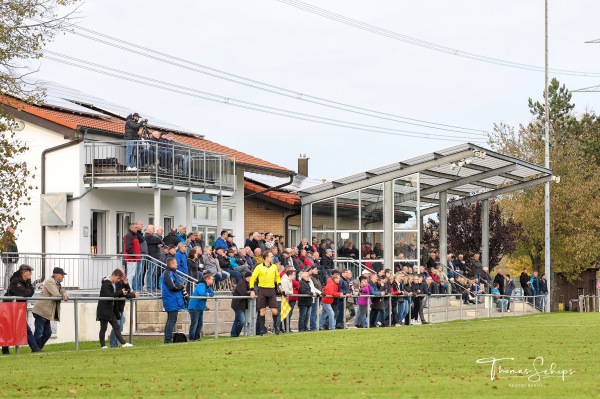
303, 165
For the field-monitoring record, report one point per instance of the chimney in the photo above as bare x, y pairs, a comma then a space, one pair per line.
303, 165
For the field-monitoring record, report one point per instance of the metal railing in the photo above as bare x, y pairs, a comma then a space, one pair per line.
442, 305
86, 271
148, 162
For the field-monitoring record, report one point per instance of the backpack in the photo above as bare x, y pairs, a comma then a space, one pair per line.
179, 337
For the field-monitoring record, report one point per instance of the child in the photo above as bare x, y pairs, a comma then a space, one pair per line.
501, 302
197, 306
363, 303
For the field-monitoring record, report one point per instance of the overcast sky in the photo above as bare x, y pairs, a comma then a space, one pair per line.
278, 44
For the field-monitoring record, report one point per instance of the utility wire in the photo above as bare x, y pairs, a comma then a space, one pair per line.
295, 94
425, 44
238, 103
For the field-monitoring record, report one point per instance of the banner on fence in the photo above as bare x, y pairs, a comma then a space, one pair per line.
13, 324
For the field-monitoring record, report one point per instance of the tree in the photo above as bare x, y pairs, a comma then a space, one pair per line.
464, 232
26, 26
575, 210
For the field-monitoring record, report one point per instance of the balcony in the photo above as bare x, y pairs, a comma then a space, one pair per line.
158, 165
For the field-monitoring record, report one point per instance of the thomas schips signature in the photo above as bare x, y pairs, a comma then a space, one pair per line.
535, 373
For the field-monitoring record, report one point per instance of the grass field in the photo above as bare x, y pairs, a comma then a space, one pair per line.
437, 360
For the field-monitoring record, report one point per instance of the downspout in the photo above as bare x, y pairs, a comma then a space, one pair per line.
287, 224
71, 143
272, 188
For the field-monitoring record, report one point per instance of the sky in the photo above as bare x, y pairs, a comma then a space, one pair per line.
275, 43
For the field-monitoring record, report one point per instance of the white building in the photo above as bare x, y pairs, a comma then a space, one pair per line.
85, 197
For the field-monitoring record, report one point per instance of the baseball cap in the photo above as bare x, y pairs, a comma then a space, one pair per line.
59, 270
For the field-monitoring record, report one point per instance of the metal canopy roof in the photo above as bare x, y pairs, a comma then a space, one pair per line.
466, 172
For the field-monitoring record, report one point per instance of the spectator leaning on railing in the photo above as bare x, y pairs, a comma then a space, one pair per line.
45, 311
20, 285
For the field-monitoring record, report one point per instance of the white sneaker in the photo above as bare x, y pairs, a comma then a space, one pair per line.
127, 345
416, 322
378, 324
104, 347
508, 311
133, 169
128, 169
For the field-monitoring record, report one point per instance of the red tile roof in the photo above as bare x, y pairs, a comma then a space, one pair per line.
288, 198
116, 125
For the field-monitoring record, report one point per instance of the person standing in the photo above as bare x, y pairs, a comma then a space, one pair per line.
289, 287
45, 311
345, 287
268, 279
132, 135
8, 248
240, 305
20, 285
123, 284
107, 312
198, 306
526, 284
133, 259
499, 279
316, 287
155, 245
172, 293
331, 290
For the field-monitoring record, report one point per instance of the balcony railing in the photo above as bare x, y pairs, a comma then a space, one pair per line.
148, 164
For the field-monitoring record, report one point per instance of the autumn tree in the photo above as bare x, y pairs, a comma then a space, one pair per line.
26, 26
575, 210
464, 232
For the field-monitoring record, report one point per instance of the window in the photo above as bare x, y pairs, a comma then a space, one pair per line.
167, 224
150, 219
98, 232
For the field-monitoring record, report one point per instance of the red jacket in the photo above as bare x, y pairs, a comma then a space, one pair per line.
131, 246
331, 288
296, 288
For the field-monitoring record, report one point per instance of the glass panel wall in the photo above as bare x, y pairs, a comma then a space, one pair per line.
406, 226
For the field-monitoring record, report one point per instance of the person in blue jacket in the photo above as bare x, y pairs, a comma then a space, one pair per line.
197, 306
181, 258
173, 293
222, 241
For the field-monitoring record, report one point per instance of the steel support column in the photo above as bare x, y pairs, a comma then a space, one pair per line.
158, 220
485, 233
219, 214
388, 225
306, 221
188, 211
444, 230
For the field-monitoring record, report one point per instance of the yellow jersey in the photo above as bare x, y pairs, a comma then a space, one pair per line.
267, 276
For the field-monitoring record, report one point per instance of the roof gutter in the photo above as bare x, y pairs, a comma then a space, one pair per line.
47, 151
273, 188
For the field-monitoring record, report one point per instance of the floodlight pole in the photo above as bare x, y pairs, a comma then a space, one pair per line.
547, 263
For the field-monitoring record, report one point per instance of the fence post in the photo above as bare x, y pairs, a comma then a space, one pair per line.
343, 315
131, 306
76, 314
428, 310
490, 306
216, 318
447, 304
389, 312
368, 311
461, 306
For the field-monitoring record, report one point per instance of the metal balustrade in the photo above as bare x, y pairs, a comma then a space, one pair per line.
86, 271
158, 164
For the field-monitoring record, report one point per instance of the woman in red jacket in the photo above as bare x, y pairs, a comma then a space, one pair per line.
331, 290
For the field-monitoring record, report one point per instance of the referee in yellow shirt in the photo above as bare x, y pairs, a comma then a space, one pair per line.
268, 279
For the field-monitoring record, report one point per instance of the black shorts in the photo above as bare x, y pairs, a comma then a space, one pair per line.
267, 297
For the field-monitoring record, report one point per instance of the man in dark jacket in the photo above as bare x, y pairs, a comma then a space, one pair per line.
8, 245
107, 311
121, 286
327, 261
345, 288
418, 289
171, 238
155, 245
525, 283
132, 128
20, 285
304, 303
240, 305
499, 278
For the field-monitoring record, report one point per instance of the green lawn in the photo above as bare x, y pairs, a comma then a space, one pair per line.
406, 362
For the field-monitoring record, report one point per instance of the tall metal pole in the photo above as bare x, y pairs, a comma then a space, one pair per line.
548, 270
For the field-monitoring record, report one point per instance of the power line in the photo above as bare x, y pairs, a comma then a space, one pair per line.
298, 95
425, 44
86, 65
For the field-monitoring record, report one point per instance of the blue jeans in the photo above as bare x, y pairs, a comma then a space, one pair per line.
134, 275
130, 156
114, 342
236, 274
313, 314
238, 322
402, 310
170, 326
196, 322
43, 330
327, 311
303, 320
151, 276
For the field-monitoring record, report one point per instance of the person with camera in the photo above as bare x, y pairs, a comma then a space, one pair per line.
197, 306
269, 283
173, 295
107, 312
121, 285
132, 135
